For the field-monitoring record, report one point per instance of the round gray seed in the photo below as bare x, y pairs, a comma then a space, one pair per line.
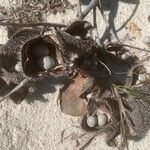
18, 67
91, 121
102, 119
46, 62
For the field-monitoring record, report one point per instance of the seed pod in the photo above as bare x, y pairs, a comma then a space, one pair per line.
22, 52
39, 53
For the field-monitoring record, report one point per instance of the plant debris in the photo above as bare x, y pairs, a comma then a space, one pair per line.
100, 83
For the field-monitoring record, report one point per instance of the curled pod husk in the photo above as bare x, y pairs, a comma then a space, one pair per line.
26, 49
71, 101
33, 51
74, 39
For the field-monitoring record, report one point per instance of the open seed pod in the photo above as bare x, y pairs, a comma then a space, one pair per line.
74, 40
33, 57
40, 54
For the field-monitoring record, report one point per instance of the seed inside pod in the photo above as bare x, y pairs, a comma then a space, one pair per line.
18, 67
91, 121
102, 119
146, 40
40, 50
46, 63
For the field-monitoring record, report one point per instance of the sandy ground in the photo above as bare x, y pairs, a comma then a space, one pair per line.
36, 124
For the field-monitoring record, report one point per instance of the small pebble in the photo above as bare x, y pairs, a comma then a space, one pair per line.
146, 40
40, 50
91, 121
102, 119
46, 63
18, 67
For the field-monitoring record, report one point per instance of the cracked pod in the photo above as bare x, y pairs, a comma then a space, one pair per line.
26, 58
39, 55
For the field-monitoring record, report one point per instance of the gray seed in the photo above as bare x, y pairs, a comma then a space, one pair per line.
146, 40
91, 121
46, 62
102, 119
40, 50
89, 96
18, 67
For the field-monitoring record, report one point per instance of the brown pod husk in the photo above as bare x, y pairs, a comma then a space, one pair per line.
29, 59
71, 101
19, 49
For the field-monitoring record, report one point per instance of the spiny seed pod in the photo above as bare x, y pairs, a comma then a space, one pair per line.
25, 52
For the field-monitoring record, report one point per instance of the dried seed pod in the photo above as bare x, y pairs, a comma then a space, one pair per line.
37, 50
74, 39
79, 28
24, 50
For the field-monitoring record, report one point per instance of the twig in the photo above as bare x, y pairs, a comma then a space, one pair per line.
95, 25
137, 48
130, 72
122, 112
106, 22
79, 10
13, 10
20, 85
92, 4
32, 24
86, 142
102, 13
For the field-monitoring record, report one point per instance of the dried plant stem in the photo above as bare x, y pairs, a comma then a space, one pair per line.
106, 22
122, 117
95, 25
137, 48
92, 4
32, 24
130, 72
87, 141
20, 85
79, 10
13, 11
